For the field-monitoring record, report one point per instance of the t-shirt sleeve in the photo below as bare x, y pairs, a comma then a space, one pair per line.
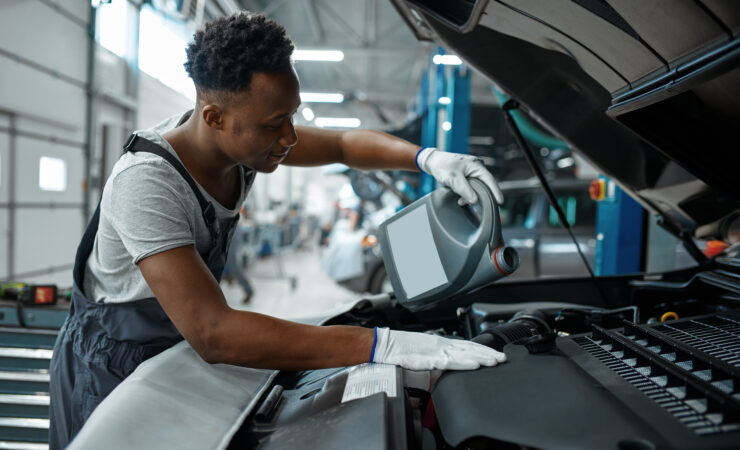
149, 209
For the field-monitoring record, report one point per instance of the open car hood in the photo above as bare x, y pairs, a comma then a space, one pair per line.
649, 94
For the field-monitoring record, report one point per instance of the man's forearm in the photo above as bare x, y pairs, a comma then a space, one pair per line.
368, 150
260, 341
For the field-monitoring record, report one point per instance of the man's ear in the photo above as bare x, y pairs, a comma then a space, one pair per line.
213, 116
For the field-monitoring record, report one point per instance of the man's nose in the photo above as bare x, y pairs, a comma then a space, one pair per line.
290, 137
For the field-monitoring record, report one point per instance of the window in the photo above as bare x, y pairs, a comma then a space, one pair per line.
516, 211
52, 174
112, 25
579, 209
162, 42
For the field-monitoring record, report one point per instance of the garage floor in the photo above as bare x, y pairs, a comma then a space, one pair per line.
315, 293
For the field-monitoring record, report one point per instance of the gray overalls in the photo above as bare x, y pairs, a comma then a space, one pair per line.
100, 344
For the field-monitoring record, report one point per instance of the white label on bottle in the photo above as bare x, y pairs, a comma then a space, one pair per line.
415, 254
368, 379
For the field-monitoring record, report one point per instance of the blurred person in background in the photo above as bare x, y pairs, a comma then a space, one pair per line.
344, 258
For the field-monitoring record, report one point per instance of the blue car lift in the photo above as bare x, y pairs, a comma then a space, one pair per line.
440, 81
619, 225
619, 218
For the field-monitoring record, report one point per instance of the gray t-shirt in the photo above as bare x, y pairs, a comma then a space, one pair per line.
146, 208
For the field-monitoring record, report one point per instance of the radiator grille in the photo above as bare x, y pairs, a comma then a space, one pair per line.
717, 336
688, 368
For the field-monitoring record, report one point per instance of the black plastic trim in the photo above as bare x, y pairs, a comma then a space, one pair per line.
476, 11
645, 93
596, 55
728, 405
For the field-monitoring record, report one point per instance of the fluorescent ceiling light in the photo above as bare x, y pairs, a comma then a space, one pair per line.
445, 100
446, 125
321, 97
337, 122
447, 60
318, 55
308, 114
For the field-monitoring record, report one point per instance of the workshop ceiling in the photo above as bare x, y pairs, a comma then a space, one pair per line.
382, 65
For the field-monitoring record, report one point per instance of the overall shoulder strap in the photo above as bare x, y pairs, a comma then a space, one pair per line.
85, 248
139, 144
249, 175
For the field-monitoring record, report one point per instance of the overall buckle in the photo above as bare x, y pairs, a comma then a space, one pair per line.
129, 142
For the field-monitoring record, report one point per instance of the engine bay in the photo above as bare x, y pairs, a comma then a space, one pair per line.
658, 369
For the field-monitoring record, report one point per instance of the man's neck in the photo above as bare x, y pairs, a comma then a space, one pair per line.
210, 168
198, 153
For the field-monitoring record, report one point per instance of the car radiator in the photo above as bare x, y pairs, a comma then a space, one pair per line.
690, 368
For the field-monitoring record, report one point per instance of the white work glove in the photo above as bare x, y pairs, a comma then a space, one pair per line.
453, 170
419, 351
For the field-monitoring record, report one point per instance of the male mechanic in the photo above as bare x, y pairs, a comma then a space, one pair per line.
147, 270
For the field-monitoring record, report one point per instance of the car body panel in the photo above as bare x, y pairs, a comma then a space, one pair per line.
175, 400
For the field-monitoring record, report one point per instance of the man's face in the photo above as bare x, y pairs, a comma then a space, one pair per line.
258, 123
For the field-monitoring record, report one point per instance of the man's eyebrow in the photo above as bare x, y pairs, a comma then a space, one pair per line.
284, 115
279, 116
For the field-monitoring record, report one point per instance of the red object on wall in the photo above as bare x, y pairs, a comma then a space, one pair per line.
597, 190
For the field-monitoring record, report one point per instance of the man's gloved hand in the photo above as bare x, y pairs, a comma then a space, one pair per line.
453, 169
419, 351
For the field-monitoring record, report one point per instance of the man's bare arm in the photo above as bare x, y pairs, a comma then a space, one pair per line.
192, 299
361, 149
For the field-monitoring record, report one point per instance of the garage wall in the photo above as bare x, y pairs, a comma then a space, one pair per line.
42, 113
43, 102
158, 102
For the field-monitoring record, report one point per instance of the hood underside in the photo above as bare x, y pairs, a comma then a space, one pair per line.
649, 94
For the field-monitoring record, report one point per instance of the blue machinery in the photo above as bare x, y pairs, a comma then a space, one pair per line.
619, 221
445, 125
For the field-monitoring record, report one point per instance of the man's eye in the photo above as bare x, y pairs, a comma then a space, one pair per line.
280, 125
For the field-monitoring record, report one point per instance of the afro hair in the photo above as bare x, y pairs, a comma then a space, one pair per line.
224, 55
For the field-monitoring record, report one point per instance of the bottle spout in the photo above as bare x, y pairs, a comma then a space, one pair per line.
506, 260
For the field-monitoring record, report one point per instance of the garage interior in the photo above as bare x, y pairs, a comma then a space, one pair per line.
481, 78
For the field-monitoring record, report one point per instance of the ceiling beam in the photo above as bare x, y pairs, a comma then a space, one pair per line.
213, 10
313, 20
229, 7
371, 37
329, 11
250, 5
391, 29
371, 22
271, 7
